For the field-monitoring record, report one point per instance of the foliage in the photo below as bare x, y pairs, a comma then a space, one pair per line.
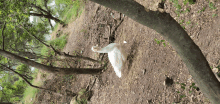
21, 35
58, 43
188, 1
67, 2
160, 41
68, 9
183, 87
13, 88
212, 6
23, 69
177, 5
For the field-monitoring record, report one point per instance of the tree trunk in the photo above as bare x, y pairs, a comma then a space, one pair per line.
164, 24
50, 69
49, 16
4, 103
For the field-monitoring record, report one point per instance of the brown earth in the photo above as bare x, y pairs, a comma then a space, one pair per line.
153, 73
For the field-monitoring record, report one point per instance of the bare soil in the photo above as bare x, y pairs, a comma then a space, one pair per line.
153, 73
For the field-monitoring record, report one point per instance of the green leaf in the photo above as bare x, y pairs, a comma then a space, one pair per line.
179, 7
164, 44
183, 84
214, 15
194, 87
162, 40
183, 87
182, 96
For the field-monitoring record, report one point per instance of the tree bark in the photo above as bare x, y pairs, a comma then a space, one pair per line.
5, 103
164, 24
51, 69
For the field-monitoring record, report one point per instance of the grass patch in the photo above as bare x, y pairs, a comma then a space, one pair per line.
58, 44
212, 6
30, 92
29, 95
71, 11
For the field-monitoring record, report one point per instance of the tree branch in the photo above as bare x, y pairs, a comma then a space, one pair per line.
58, 52
45, 4
164, 24
67, 93
23, 77
49, 16
50, 24
3, 37
39, 8
51, 69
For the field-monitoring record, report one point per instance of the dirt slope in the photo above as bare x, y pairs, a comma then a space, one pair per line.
153, 73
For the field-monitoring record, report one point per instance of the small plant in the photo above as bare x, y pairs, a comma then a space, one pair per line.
214, 15
160, 41
182, 96
203, 9
188, 22
178, 7
183, 27
183, 86
218, 72
212, 6
181, 22
59, 43
84, 31
188, 1
190, 88
187, 10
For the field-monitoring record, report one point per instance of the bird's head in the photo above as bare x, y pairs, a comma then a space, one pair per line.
95, 48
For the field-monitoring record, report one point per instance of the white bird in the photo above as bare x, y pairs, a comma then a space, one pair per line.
116, 55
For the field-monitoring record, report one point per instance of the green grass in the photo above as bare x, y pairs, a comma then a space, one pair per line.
212, 6
58, 44
188, 1
31, 92
71, 11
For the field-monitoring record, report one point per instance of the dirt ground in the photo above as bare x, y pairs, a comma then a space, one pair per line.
153, 74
